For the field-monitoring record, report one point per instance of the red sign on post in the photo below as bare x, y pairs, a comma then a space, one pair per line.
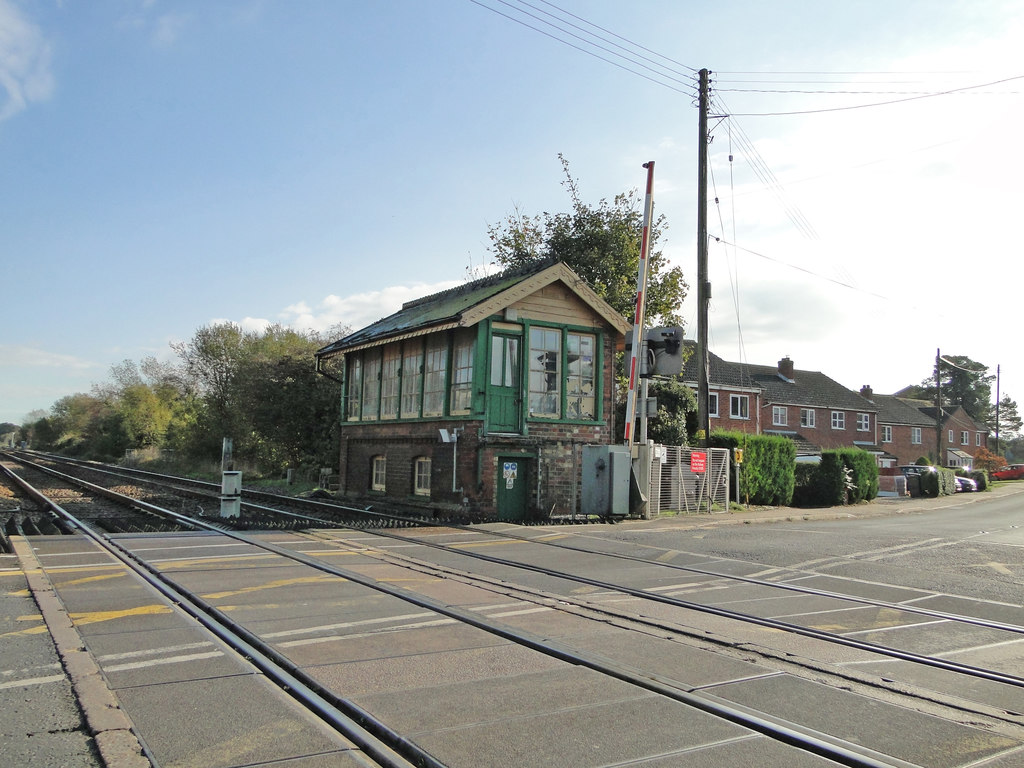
699, 461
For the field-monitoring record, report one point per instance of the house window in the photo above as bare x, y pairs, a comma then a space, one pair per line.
355, 386
371, 387
433, 375
579, 382
965, 438
977, 438
545, 372
379, 470
739, 406
422, 476
713, 404
951, 436
807, 417
915, 435
779, 415
886, 434
838, 420
863, 422
462, 373
389, 381
412, 380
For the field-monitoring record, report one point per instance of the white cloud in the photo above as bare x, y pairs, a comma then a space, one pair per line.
29, 357
25, 75
357, 310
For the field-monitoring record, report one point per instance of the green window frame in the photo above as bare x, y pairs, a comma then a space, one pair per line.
371, 386
355, 386
564, 376
463, 348
581, 376
390, 381
412, 379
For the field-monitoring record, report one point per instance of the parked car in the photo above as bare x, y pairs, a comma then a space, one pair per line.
1012, 472
915, 469
965, 484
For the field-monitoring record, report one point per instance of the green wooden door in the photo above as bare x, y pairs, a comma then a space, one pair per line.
504, 385
511, 488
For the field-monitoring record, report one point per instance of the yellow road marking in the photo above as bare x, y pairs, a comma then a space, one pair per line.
268, 585
94, 617
90, 579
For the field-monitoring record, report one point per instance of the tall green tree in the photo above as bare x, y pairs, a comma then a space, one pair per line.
601, 243
1010, 422
963, 382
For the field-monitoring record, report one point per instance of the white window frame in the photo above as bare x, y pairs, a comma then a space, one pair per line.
977, 439
379, 473
780, 416
739, 407
886, 433
951, 437
915, 435
421, 476
807, 418
713, 404
838, 419
965, 437
863, 422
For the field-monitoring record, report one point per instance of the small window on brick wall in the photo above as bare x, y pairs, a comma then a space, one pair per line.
379, 468
422, 474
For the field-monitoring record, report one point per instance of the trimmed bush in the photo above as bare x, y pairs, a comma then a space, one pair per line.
843, 476
980, 476
768, 475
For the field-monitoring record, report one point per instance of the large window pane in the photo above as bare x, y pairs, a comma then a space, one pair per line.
579, 384
371, 385
462, 372
355, 386
389, 381
412, 379
434, 374
545, 372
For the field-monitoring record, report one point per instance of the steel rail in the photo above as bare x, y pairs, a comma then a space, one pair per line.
916, 610
864, 645
368, 733
793, 734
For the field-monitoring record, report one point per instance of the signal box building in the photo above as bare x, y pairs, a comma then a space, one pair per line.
480, 396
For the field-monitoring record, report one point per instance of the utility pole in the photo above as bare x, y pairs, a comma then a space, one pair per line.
938, 411
703, 286
997, 408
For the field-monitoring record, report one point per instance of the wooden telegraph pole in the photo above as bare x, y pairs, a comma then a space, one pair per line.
703, 286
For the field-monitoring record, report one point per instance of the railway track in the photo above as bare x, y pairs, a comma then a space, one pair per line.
640, 611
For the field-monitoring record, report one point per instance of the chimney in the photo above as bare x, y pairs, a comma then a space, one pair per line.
786, 368
866, 392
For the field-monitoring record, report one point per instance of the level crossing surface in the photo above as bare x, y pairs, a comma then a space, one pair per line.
468, 696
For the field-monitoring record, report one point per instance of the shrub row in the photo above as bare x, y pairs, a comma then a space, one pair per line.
843, 476
767, 475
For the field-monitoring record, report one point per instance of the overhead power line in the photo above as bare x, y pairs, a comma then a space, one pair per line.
665, 75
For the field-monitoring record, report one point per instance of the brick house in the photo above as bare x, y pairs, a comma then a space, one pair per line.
908, 429
482, 395
904, 431
808, 407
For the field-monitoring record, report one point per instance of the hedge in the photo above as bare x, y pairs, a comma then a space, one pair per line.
767, 475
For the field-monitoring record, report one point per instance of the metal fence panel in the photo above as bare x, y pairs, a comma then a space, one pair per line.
676, 487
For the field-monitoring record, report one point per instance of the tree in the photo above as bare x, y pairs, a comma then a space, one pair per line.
1010, 422
987, 460
964, 382
600, 243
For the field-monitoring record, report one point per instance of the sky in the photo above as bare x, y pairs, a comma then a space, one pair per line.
169, 164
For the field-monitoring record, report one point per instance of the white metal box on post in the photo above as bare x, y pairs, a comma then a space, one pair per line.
606, 477
231, 494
